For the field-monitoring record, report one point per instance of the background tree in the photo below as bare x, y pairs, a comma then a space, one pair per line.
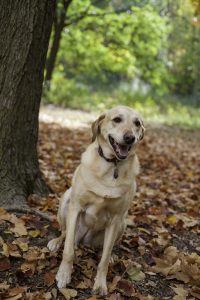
140, 53
103, 45
64, 17
58, 26
25, 30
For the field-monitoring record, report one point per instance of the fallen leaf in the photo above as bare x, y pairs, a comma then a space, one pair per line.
135, 274
84, 284
181, 293
16, 291
19, 296
182, 266
4, 264
34, 233
33, 254
116, 296
4, 286
172, 220
126, 287
112, 286
54, 292
195, 292
49, 278
4, 215
23, 246
19, 226
5, 250
68, 293
28, 266
13, 250
47, 296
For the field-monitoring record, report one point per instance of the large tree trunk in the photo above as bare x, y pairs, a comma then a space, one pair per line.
59, 24
25, 31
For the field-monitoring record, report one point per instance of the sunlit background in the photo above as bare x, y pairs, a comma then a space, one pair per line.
145, 54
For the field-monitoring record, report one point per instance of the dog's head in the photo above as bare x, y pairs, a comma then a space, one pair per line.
121, 128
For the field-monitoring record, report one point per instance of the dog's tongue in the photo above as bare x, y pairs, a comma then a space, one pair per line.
123, 150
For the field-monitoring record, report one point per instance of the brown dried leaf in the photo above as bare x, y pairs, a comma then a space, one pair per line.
16, 291
19, 296
126, 287
23, 246
182, 266
33, 254
68, 293
5, 249
112, 286
4, 286
181, 293
28, 266
115, 297
195, 292
4, 264
4, 215
84, 284
20, 228
49, 278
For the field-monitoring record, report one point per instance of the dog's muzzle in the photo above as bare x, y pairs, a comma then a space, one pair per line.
129, 138
121, 149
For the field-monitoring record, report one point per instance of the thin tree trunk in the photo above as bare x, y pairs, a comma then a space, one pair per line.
59, 24
25, 31
196, 86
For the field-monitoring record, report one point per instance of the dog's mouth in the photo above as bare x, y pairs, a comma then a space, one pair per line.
121, 150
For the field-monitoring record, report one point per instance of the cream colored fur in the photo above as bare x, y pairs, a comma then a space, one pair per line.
94, 209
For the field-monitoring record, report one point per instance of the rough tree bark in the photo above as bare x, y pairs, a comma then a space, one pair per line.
24, 31
59, 24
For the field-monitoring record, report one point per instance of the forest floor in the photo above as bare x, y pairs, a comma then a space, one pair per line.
159, 255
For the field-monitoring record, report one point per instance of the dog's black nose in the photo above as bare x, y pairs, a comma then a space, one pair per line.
129, 138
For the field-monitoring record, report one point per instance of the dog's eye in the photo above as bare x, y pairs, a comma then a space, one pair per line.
137, 123
117, 120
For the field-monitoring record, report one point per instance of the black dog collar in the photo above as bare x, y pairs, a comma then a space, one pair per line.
113, 160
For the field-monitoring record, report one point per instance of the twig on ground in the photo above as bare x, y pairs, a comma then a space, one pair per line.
29, 210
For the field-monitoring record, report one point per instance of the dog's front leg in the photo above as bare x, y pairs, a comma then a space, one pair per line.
63, 276
111, 233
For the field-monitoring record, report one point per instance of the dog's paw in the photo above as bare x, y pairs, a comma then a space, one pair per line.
54, 244
63, 276
100, 288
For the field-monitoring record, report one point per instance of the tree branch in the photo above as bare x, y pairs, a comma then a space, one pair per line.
66, 3
76, 18
28, 210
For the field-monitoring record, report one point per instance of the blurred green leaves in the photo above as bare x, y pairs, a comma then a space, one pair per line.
139, 53
116, 45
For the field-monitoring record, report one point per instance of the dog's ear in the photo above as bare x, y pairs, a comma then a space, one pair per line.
96, 127
143, 130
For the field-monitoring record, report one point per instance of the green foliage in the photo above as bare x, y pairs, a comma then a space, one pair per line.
114, 46
184, 47
138, 53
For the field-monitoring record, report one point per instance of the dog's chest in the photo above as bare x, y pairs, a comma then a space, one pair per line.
98, 213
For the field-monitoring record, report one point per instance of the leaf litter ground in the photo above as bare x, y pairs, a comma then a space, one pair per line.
159, 255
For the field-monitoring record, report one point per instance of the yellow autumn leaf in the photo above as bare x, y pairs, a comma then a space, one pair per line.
34, 233
23, 246
172, 220
190, 174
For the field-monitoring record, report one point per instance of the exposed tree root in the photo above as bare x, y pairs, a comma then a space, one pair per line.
41, 187
28, 210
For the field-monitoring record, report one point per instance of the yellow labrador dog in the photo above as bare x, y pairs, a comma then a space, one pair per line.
93, 210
